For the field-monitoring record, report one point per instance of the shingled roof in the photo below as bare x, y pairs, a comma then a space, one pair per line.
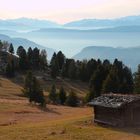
114, 100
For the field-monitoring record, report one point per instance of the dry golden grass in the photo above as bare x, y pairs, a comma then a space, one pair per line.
21, 121
8, 89
80, 88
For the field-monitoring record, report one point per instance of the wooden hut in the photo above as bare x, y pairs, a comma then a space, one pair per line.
117, 110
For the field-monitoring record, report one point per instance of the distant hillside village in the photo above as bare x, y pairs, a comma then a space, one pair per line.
102, 76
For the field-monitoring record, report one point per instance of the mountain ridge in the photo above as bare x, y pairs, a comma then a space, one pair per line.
25, 43
130, 56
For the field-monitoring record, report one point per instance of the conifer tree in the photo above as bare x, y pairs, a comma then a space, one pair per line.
36, 58
28, 84
62, 95
30, 58
54, 66
97, 80
53, 94
33, 90
23, 64
37, 94
119, 79
11, 49
43, 60
72, 70
137, 81
10, 69
61, 59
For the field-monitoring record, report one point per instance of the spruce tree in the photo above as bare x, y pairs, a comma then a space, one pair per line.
43, 60
28, 84
23, 64
119, 79
137, 81
62, 95
10, 69
72, 70
11, 49
111, 84
30, 58
54, 66
33, 90
36, 58
53, 94
1, 45
37, 94
61, 59
96, 81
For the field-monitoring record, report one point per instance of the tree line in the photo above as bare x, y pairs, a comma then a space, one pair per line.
34, 92
32, 59
102, 76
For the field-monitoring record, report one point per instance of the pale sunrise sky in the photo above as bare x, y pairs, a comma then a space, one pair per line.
63, 11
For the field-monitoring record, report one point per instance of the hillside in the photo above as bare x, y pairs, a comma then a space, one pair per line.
130, 56
19, 120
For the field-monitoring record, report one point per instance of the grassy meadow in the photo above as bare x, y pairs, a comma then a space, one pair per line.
21, 121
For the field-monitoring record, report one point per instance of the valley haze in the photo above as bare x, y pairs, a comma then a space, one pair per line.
72, 37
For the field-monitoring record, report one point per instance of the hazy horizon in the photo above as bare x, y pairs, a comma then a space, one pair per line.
62, 11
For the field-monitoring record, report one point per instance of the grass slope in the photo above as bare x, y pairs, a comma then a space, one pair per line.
20, 121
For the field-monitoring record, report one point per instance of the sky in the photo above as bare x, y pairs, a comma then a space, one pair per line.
63, 11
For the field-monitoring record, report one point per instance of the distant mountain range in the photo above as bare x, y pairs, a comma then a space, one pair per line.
105, 23
130, 56
75, 35
24, 24
130, 28
25, 43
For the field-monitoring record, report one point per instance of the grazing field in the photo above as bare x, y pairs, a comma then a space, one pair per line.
21, 121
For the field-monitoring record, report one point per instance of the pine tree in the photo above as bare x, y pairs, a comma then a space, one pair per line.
91, 68
127, 85
10, 69
137, 81
83, 71
30, 58
54, 66
28, 84
72, 70
72, 99
43, 60
62, 95
96, 81
111, 84
23, 64
36, 58
119, 79
37, 94
1, 45
53, 94
11, 49
33, 90
61, 59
